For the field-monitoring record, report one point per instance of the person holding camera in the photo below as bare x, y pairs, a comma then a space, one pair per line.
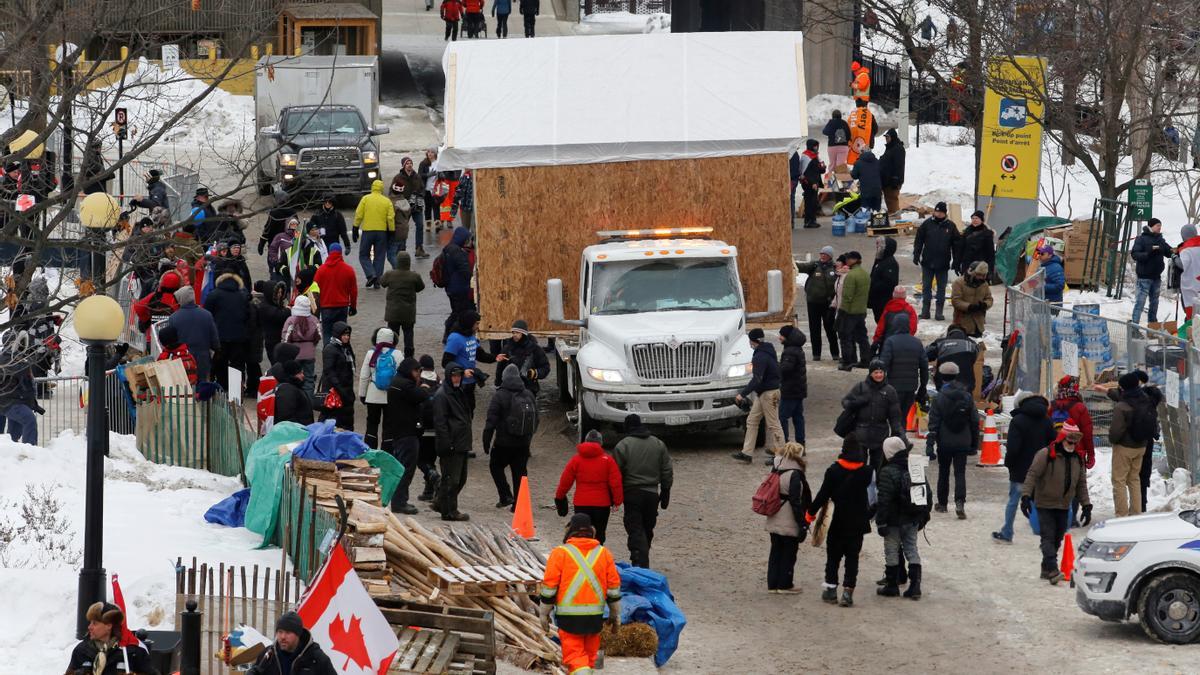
463, 348
764, 381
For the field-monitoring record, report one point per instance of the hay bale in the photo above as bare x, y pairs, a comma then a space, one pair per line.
631, 639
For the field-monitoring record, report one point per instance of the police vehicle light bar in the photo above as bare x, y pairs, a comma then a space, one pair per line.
656, 233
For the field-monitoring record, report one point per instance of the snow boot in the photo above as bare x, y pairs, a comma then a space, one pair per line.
889, 589
925, 314
914, 582
431, 481
902, 570
1046, 574
940, 508
829, 594
420, 252
1055, 577
847, 597
960, 510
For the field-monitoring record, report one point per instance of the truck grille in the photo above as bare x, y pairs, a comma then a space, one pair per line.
329, 158
688, 361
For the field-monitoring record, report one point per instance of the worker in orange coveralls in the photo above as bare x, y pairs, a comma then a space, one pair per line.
580, 579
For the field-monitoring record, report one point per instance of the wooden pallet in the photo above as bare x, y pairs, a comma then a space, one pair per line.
897, 229
485, 580
425, 651
475, 653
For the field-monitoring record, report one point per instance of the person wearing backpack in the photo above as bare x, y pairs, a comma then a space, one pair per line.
406, 401
646, 477
1134, 422
1056, 479
898, 519
837, 140
507, 433
845, 484
1029, 431
953, 434
785, 515
374, 378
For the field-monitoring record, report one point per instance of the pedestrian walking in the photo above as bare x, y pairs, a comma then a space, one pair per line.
1150, 252
330, 224
301, 329
472, 18
159, 302
378, 368
971, 298
853, 310
885, 327
400, 308
845, 485
810, 170
337, 377
1029, 431
277, 219
764, 384
456, 277
18, 395
793, 387
279, 259
428, 176
102, 651
405, 400
885, 276
293, 652
866, 171
580, 579
229, 304
501, 9
788, 526
339, 291
597, 482
891, 170
837, 140
1134, 423
860, 83
1055, 480
977, 244
953, 435
819, 290
408, 191
197, 330
877, 415
955, 347
202, 219
375, 216
293, 397
451, 12
933, 251
512, 420
1187, 265
899, 518
427, 457
903, 359
529, 11
646, 478
452, 411
309, 250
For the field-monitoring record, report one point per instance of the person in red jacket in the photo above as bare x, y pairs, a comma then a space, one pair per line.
339, 291
898, 304
168, 337
1069, 405
159, 302
451, 11
597, 481
473, 17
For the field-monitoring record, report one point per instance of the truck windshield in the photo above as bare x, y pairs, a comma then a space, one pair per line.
323, 122
632, 286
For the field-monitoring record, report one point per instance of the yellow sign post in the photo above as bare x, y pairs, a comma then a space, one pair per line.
1010, 159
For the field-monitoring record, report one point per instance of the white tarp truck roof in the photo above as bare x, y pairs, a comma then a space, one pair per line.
613, 98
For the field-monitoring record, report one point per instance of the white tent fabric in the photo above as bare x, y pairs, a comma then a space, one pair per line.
614, 98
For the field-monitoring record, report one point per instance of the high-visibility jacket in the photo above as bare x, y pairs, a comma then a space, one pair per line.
581, 578
860, 85
861, 127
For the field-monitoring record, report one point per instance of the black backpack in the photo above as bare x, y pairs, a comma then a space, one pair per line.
522, 415
958, 418
1144, 424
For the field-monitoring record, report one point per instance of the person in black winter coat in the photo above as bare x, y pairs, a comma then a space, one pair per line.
104, 629
764, 383
452, 421
953, 434
793, 387
272, 311
229, 304
291, 403
233, 262
978, 243
1029, 431
934, 247
885, 276
891, 170
338, 374
332, 225
1150, 251
405, 399
845, 484
954, 348
898, 519
524, 352
277, 219
837, 139
877, 409
870, 183
427, 457
304, 655
903, 358
508, 450
529, 12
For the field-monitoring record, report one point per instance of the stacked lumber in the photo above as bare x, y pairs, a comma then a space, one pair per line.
413, 550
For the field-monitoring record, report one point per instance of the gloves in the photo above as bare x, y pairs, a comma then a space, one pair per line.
42, 411
487, 449
353, 311
362, 400
916, 261
544, 610
262, 245
664, 498
931, 446
354, 236
882, 530
561, 505
809, 516
614, 615
1027, 507
1086, 519
347, 247
531, 375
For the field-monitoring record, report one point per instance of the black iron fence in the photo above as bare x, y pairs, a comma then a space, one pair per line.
631, 6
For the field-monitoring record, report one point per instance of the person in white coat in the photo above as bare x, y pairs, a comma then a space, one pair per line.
370, 394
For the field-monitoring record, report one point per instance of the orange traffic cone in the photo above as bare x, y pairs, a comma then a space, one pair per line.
1068, 557
913, 424
989, 454
522, 522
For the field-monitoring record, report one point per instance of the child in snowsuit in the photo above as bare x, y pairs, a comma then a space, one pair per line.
846, 482
898, 519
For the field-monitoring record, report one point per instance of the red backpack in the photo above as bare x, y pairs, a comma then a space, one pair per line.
766, 500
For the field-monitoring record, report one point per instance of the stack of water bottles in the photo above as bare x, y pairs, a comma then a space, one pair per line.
1088, 331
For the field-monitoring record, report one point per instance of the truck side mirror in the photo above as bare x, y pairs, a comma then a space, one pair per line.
380, 130
271, 133
774, 296
554, 303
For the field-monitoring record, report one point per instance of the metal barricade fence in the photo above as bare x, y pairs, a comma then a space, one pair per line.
1051, 338
64, 399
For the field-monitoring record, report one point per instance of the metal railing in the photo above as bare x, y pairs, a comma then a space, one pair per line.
631, 6
64, 399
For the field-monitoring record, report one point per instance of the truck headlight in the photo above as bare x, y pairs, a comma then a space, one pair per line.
287, 159
370, 157
1111, 551
740, 370
601, 375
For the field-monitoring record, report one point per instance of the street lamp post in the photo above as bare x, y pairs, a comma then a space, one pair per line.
99, 212
98, 320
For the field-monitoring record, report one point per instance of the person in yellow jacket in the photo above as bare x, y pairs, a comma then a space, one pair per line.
580, 579
376, 217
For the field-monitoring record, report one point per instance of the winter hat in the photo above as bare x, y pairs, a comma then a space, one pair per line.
385, 335
185, 296
851, 450
812, 144
892, 445
786, 330
290, 621
949, 369
1046, 248
168, 336
106, 612
1187, 231
335, 248
580, 524
594, 436
1069, 428
892, 134
201, 192
292, 368
979, 267
153, 173
286, 351
520, 326
281, 197
1068, 387
634, 426
940, 207
827, 250
899, 292
1142, 376
1129, 381
302, 306
1021, 397
405, 160
876, 364
978, 213
426, 362
756, 335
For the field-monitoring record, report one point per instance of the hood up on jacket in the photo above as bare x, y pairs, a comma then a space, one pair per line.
377, 186
461, 236
888, 251
403, 261
899, 324
1033, 405
589, 450
511, 379
339, 329
230, 282
796, 338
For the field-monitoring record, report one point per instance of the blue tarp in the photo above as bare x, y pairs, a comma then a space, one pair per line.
230, 511
646, 598
326, 445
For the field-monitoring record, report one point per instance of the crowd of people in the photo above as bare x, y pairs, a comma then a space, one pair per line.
468, 17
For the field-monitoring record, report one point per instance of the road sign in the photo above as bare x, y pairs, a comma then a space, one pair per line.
170, 56
1011, 152
120, 116
1141, 200
1009, 163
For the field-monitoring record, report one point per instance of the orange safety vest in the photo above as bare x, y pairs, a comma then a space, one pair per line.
580, 579
860, 130
860, 86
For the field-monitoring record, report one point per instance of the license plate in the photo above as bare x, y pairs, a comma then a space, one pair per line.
678, 420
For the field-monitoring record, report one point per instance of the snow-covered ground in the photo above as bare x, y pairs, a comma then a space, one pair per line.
152, 513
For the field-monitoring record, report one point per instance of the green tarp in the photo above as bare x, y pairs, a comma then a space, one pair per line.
1013, 247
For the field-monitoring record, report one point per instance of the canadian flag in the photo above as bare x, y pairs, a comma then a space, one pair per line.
344, 620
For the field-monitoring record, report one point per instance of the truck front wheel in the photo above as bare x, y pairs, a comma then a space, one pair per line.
1169, 608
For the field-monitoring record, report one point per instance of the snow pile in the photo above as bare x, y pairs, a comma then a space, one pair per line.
1164, 493
152, 514
821, 107
612, 23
